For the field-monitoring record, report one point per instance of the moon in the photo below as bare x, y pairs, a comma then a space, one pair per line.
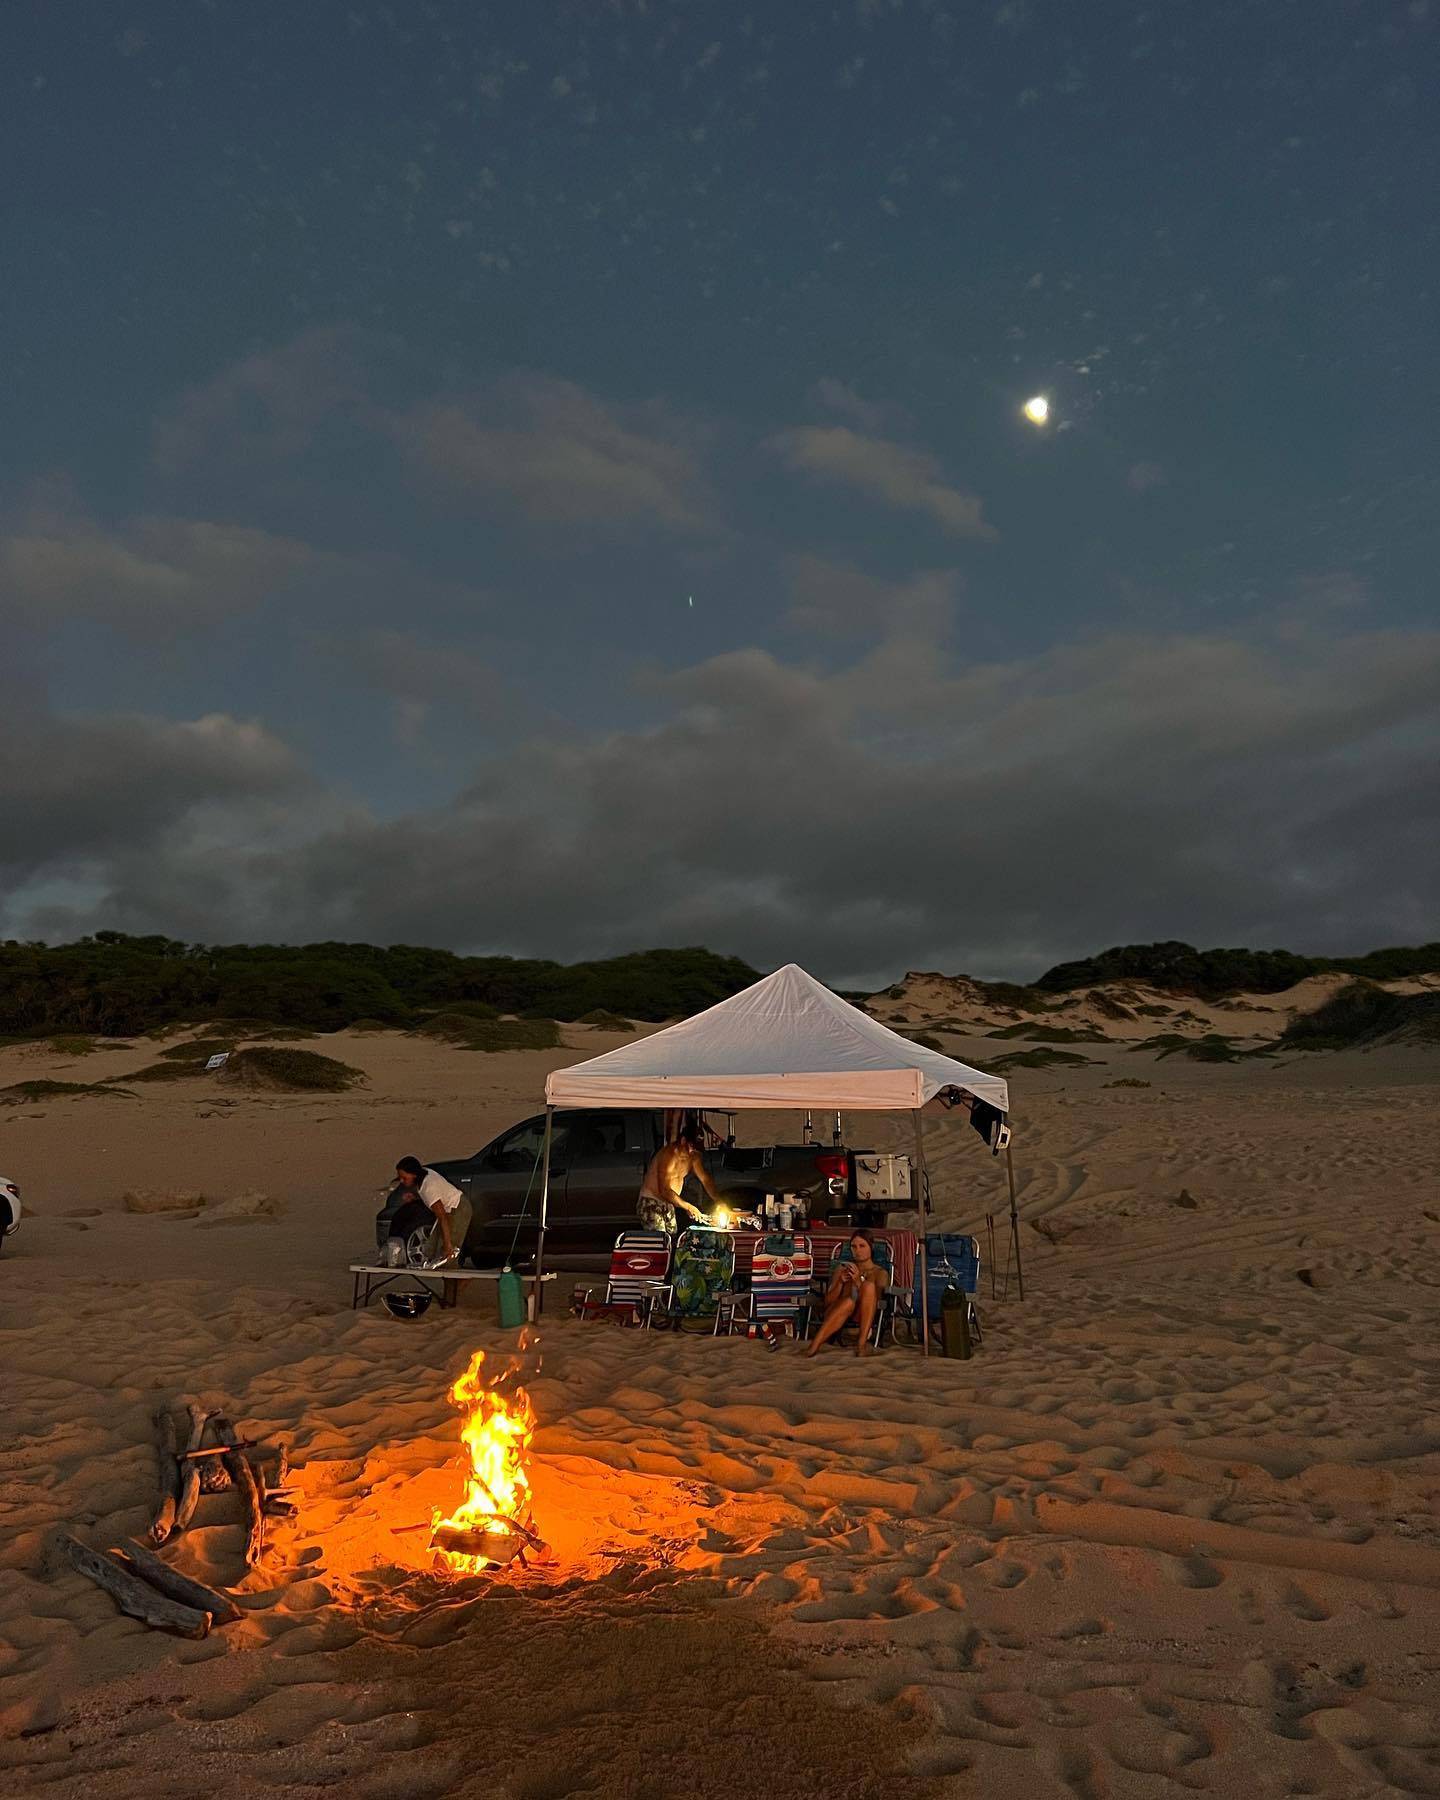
1037, 409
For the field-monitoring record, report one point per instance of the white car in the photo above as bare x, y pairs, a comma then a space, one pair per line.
10, 1208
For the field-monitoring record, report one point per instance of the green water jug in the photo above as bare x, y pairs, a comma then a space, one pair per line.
511, 1297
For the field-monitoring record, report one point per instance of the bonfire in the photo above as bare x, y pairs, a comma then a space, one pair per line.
492, 1525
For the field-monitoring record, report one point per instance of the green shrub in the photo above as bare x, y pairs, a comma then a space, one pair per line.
300, 1071
1039, 1058
1361, 1014
72, 1046
606, 1021
22, 1091
165, 1071
925, 1039
469, 1033
1126, 1081
513, 1034
198, 1049
1051, 1034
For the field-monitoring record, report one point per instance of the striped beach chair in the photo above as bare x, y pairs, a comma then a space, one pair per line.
639, 1264
779, 1291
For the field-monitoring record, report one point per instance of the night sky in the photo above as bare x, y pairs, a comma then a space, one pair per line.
552, 478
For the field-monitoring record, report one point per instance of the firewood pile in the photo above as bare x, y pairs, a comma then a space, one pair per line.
145, 1585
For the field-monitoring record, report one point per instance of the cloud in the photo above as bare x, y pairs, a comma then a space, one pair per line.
565, 457
906, 479
110, 791
274, 404
836, 396
149, 574
429, 685
910, 809
839, 600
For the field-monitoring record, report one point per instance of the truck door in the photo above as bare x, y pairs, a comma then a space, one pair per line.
504, 1190
606, 1157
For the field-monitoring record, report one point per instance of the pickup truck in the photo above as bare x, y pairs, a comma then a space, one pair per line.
597, 1160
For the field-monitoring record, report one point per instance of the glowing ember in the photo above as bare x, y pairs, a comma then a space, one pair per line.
492, 1522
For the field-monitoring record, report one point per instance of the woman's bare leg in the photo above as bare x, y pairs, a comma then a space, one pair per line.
834, 1321
869, 1300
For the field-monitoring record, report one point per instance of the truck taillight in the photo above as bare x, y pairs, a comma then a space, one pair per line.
836, 1167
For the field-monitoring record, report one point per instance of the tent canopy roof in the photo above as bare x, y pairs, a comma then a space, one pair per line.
785, 1042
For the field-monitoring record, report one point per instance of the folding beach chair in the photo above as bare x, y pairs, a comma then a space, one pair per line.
884, 1312
952, 1260
779, 1291
703, 1269
639, 1264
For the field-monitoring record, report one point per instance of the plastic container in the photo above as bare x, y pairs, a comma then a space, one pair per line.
955, 1323
510, 1297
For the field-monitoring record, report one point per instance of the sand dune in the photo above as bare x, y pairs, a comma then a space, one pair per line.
1176, 1529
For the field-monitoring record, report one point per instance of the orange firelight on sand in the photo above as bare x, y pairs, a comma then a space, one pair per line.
492, 1523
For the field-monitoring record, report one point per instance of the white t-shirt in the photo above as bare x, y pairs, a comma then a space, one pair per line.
435, 1188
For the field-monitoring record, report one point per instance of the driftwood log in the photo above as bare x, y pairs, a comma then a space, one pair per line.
243, 1478
190, 1470
214, 1476
169, 1581
163, 1523
134, 1596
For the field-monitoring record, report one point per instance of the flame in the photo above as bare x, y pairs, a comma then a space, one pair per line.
499, 1423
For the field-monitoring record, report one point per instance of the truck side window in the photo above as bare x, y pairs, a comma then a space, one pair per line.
597, 1134
519, 1150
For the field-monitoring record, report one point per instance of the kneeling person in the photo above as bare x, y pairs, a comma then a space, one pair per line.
449, 1208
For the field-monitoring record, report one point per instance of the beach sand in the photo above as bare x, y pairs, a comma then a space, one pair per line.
1176, 1528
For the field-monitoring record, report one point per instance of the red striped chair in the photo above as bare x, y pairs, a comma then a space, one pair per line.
639, 1262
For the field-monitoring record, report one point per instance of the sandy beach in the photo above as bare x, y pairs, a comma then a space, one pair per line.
1176, 1529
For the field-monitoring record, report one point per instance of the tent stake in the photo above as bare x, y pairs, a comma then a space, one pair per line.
539, 1289
922, 1184
1014, 1229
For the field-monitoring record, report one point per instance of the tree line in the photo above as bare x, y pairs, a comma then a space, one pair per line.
113, 985
1211, 974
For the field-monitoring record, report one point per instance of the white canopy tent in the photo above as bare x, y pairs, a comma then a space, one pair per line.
787, 1041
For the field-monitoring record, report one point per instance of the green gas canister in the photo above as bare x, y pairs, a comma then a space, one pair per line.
511, 1298
955, 1322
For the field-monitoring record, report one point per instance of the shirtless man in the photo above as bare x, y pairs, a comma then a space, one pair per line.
660, 1199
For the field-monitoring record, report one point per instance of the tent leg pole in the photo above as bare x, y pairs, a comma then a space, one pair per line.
1014, 1224
922, 1184
538, 1291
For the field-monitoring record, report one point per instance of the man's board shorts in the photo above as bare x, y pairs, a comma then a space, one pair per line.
657, 1215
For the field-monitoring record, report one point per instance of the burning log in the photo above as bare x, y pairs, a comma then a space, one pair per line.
134, 1596
495, 1540
174, 1585
163, 1523
243, 1478
190, 1469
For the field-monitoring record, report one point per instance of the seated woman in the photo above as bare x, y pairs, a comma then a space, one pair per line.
854, 1293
